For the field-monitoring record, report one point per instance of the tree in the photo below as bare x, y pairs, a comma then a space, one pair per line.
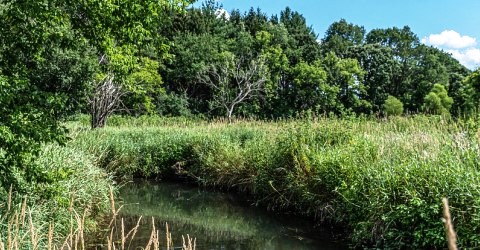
105, 100
129, 44
347, 75
342, 35
303, 45
403, 43
393, 106
437, 101
380, 68
311, 89
49, 53
277, 99
45, 74
470, 92
233, 82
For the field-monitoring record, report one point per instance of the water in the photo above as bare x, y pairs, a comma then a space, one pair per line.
217, 220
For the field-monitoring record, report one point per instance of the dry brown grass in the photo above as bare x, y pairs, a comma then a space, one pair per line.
450, 232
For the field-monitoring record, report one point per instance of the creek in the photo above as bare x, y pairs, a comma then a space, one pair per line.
217, 220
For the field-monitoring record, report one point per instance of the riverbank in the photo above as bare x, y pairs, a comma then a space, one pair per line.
381, 180
59, 210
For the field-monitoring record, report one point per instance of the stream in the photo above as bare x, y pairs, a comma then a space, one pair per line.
216, 220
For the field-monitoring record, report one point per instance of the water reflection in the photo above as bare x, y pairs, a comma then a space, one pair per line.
217, 220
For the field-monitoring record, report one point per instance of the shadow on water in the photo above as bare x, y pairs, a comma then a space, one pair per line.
217, 220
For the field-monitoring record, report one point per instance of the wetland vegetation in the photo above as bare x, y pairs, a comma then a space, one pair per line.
360, 130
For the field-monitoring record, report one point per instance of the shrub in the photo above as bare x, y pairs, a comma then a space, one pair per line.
393, 106
437, 101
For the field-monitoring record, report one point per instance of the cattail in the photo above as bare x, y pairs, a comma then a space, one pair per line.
50, 236
9, 198
70, 206
451, 236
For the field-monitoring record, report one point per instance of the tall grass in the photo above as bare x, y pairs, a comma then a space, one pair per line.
382, 180
71, 183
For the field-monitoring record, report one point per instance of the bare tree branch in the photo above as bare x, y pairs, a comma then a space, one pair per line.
105, 100
235, 83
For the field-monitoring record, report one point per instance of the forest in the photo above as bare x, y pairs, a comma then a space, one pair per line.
60, 59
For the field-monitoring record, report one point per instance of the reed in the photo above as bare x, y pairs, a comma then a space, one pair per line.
450, 232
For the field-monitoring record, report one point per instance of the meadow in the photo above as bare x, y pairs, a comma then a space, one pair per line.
380, 180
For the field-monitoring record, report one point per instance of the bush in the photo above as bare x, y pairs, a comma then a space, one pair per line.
393, 106
173, 105
437, 101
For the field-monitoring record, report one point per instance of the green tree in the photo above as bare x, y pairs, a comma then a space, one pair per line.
312, 91
271, 43
347, 75
124, 33
340, 36
303, 45
50, 53
403, 43
437, 101
45, 74
392, 106
380, 68
470, 92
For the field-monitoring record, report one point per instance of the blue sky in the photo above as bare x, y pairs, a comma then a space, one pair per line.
452, 25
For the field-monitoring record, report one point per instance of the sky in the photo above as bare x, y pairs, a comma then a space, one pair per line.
451, 25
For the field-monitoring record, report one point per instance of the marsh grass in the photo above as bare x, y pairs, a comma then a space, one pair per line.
381, 180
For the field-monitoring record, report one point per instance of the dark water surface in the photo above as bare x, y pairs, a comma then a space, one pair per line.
216, 220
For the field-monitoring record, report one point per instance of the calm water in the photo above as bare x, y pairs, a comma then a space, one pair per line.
217, 220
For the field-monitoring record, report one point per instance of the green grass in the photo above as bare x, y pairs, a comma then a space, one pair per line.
75, 186
382, 180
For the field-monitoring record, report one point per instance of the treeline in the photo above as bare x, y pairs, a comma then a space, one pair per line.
347, 71
62, 57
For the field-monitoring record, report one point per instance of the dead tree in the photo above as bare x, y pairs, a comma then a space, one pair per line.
234, 83
105, 100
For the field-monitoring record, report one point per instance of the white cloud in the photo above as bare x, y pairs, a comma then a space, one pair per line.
470, 58
462, 48
450, 39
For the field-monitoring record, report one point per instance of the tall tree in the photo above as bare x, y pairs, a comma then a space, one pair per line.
470, 91
340, 36
403, 43
45, 72
380, 68
347, 75
303, 43
311, 89
124, 33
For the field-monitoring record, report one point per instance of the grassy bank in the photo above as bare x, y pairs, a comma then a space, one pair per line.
382, 180
52, 210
